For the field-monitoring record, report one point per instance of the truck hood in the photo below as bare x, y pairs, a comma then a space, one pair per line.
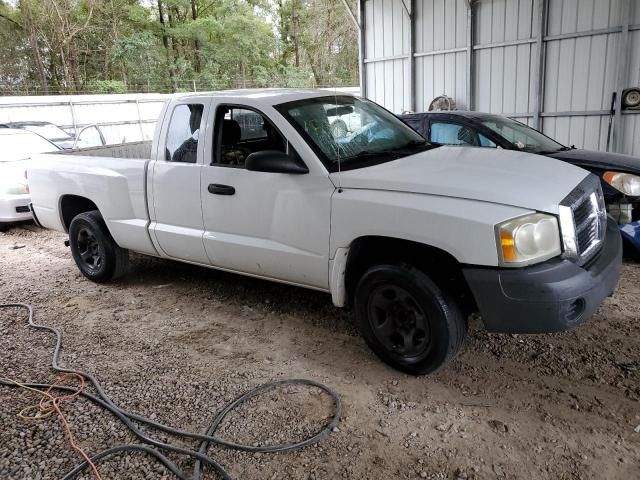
484, 174
601, 160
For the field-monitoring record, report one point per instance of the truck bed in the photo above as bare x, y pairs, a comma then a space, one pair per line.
132, 150
113, 177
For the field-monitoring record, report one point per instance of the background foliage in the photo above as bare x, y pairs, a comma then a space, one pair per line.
115, 46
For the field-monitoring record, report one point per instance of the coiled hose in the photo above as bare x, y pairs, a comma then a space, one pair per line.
127, 418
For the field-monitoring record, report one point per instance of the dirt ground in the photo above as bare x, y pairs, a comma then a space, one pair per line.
176, 342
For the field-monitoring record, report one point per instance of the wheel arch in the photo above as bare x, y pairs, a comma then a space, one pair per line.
72, 205
444, 269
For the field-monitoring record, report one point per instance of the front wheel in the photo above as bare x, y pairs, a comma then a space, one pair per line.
407, 320
95, 252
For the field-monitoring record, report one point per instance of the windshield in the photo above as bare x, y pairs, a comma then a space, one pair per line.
522, 136
20, 146
48, 131
351, 132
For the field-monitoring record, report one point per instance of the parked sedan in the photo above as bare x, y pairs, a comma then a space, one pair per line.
89, 136
51, 132
619, 174
16, 147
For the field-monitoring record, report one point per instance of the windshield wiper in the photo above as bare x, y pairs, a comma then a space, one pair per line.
367, 154
413, 143
547, 152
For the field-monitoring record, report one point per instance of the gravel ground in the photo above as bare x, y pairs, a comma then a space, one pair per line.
176, 342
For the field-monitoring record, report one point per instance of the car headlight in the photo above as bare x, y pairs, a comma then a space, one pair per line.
528, 239
627, 183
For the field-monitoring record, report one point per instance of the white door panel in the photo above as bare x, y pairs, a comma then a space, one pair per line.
177, 202
275, 225
176, 213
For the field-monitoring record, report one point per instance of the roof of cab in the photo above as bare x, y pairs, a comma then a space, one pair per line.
268, 96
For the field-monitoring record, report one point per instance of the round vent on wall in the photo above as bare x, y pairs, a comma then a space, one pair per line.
631, 98
442, 103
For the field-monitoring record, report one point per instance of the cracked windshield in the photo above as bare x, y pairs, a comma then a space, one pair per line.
351, 131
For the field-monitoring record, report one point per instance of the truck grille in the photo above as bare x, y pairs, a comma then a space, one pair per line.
585, 220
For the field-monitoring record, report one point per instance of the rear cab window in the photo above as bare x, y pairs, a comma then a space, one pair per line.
183, 133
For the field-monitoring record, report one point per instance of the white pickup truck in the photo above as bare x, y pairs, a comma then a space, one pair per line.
414, 237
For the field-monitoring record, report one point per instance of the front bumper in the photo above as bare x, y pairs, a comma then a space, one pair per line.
550, 297
14, 208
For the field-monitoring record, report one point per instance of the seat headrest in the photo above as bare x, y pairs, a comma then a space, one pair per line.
195, 117
231, 132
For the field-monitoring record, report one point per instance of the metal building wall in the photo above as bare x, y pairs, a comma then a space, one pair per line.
551, 63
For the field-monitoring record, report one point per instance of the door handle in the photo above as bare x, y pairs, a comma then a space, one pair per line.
218, 189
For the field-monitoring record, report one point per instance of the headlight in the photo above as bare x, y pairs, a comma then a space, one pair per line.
627, 183
529, 239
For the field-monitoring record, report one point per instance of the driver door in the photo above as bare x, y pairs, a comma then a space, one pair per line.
271, 225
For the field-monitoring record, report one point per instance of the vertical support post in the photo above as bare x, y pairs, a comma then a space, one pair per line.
623, 68
73, 118
412, 58
470, 57
194, 86
538, 95
362, 48
140, 119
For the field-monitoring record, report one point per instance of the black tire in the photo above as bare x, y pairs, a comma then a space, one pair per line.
407, 320
95, 252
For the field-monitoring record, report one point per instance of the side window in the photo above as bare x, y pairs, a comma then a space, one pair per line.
183, 134
485, 142
251, 124
241, 132
452, 134
517, 137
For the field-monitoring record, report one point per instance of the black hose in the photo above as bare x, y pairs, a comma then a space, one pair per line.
128, 418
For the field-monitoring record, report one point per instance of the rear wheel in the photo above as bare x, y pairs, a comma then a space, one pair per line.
407, 320
95, 252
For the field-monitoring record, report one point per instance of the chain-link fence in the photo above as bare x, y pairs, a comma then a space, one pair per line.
180, 85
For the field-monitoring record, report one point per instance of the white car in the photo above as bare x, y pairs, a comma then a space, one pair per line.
413, 236
16, 147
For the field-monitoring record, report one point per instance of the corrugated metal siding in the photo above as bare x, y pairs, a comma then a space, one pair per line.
388, 38
503, 80
580, 74
440, 73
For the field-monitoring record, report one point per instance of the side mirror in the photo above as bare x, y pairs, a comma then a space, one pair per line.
274, 161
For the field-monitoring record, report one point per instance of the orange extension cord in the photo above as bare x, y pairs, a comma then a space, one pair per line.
50, 403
